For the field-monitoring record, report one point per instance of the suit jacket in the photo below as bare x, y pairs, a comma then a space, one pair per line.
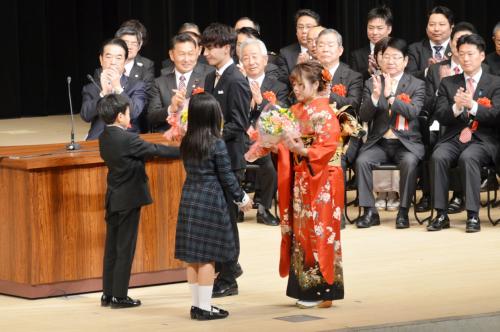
124, 154
359, 61
135, 90
287, 60
488, 118
353, 81
233, 94
162, 93
419, 54
382, 121
432, 81
493, 61
279, 89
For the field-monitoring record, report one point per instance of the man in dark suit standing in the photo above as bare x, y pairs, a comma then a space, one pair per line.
435, 74
173, 88
113, 55
436, 47
378, 27
232, 91
254, 59
127, 191
468, 105
305, 19
392, 102
493, 59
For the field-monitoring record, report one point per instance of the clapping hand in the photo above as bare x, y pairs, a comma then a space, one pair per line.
463, 99
178, 99
377, 86
110, 80
372, 64
256, 94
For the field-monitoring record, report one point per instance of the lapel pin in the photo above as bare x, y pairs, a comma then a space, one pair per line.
220, 92
140, 64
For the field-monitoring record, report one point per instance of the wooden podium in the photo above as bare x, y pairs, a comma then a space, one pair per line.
52, 226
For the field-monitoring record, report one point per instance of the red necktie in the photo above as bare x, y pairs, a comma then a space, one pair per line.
466, 133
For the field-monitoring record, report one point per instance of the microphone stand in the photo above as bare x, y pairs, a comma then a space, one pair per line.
71, 146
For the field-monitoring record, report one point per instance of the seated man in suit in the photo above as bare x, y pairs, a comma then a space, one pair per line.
305, 19
113, 55
468, 105
246, 22
250, 33
435, 74
378, 27
436, 47
493, 59
312, 38
347, 85
392, 102
232, 91
175, 87
254, 59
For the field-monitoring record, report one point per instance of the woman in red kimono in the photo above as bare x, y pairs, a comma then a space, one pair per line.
311, 194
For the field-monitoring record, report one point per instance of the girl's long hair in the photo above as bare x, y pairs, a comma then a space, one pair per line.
204, 126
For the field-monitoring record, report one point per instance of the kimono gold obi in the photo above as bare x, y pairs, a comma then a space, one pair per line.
308, 140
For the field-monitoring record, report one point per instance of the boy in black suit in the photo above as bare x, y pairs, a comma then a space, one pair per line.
124, 154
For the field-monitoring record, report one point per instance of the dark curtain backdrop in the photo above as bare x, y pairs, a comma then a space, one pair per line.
44, 41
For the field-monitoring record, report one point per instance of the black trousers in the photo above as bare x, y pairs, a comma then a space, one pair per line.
266, 181
227, 270
386, 150
470, 158
121, 238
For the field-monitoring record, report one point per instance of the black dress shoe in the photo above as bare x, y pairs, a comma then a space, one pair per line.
472, 225
215, 313
124, 302
238, 271
368, 219
105, 300
223, 289
255, 205
456, 205
265, 217
194, 312
402, 221
424, 204
440, 222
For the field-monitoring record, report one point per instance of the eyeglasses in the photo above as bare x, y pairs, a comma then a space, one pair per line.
305, 27
131, 43
392, 57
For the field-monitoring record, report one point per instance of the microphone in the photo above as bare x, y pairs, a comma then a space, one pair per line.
91, 79
71, 146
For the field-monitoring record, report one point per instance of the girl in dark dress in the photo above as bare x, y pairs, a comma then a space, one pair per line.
204, 234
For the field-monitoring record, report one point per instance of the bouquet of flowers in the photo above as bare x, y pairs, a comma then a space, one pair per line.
178, 121
274, 121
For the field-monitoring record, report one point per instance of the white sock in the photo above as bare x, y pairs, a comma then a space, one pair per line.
194, 294
205, 297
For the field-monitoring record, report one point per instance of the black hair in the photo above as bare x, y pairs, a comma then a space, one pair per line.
109, 106
114, 41
307, 12
397, 43
462, 26
249, 32
380, 46
384, 13
473, 39
183, 37
204, 126
443, 11
255, 24
218, 35
310, 70
139, 27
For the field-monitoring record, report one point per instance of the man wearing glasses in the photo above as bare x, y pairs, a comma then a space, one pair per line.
493, 59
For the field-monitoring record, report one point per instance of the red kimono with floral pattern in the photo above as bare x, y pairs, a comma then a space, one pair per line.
311, 199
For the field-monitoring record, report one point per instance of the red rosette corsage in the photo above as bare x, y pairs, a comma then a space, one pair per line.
270, 97
484, 101
339, 89
404, 98
197, 90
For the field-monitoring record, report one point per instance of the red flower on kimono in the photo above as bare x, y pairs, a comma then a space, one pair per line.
197, 90
484, 101
270, 97
339, 89
404, 98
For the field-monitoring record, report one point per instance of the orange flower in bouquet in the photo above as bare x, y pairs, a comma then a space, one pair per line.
484, 101
404, 98
339, 89
269, 96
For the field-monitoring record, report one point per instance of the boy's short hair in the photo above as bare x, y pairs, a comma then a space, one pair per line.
218, 35
109, 106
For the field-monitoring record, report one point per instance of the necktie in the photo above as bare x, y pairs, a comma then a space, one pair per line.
182, 82
466, 133
437, 53
217, 77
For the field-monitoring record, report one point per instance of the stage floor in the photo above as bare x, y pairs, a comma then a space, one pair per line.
392, 277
